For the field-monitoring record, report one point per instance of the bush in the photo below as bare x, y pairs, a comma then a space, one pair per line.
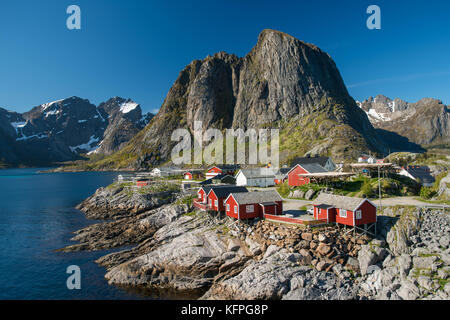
283, 189
366, 188
427, 193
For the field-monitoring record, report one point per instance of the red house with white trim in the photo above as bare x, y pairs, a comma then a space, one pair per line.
218, 194
187, 175
207, 200
215, 170
251, 205
344, 210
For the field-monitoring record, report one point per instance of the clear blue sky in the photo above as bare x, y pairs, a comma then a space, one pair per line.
136, 48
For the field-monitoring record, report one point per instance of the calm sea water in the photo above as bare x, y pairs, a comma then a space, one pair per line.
37, 216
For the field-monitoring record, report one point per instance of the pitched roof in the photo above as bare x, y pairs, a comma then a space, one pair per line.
306, 160
313, 167
208, 187
224, 167
340, 202
421, 172
224, 191
257, 172
256, 197
221, 176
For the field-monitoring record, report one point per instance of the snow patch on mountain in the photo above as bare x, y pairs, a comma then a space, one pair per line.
89, 146
17, 125
38, 136
128, 106
46, 105
378, 116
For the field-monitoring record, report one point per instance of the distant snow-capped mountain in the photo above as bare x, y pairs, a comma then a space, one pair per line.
425, 122
66, 129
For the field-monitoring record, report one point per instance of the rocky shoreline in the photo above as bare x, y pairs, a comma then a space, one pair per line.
189, 253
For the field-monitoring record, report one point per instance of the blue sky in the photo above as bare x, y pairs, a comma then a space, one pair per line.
136, 48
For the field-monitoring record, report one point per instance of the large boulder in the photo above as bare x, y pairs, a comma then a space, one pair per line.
309, 194
370, 255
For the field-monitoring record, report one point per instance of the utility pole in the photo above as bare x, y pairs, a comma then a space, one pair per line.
379, 186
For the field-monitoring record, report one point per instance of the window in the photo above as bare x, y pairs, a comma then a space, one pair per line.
216, 203
358, 214
228, 207
342, 213
235, 209
249, 209
210, 202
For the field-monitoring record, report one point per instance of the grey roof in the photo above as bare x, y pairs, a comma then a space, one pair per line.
257, 197
207, 188
340, 202
221, 176
313, 167
282, 173
283, 170
421, 172
306, 160
258, 173
224, 191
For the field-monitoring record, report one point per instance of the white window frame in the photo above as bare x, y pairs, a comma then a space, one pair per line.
228, 207
216, 203
235, 209
250, 208
342, 213
210, 202
358, 214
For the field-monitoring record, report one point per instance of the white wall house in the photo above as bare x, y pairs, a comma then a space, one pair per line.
156, 172
254, 178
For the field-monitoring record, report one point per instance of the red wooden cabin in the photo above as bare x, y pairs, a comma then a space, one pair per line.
251, 205
217, 195
187, 175
345, 210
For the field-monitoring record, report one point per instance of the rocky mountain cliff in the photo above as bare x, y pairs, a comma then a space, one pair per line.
281, 83
425, 122
66, 129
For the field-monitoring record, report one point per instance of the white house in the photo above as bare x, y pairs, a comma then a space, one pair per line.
258, 177
165, 171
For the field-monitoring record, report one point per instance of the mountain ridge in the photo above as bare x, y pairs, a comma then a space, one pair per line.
64, 130
425, 122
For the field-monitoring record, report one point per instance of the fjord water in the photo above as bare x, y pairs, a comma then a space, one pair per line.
37, 216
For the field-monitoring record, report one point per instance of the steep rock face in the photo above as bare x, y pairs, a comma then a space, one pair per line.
424, 122
125, 121
282, 77
66, 129
281, 81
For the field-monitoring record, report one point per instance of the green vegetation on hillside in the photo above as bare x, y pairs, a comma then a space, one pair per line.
427, 193
361, 186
